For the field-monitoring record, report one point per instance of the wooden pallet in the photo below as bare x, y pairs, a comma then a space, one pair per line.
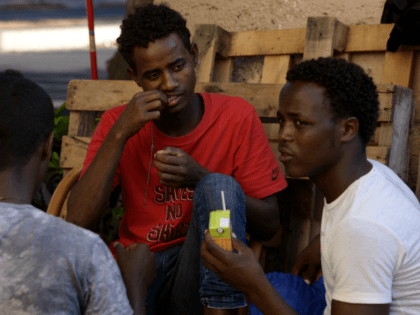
281, 49
324, 36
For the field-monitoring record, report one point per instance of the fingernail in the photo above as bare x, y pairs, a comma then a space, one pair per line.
115, 244
307, 281
234, 235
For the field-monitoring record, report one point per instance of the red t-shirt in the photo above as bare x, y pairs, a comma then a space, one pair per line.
229, 139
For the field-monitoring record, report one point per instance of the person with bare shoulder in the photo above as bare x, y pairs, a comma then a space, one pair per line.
173, 151
369, 246
49, 266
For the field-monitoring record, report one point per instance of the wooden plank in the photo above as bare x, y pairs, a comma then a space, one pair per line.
323, 35
264, 97
368, 37
275, 69
73, 151
398, 68
372, 63
265, 43
402, 112
380, 154
210, 39
385, 135
81, 123
99, 95
223, 70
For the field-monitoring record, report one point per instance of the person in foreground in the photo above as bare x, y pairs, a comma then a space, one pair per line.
369, 242
173, 151
49, 266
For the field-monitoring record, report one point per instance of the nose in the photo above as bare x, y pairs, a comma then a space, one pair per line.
170, 81
286, 132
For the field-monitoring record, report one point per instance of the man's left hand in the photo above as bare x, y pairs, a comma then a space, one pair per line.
240, 270
177, 169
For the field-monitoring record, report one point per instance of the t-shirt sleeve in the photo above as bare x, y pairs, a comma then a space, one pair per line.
106, 290
255, 167
364, 256
101, 131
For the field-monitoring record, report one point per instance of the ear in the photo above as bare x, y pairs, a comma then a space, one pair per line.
48, 146
194, 54
349, 129
133, 76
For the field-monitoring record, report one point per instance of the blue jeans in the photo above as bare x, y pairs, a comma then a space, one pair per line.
183, 285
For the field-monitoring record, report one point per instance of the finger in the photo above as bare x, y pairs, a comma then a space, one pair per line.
131, 246
173, 151
299, 265
238, 245
309, 275
169, 168
150, 96
166, 155
208, 260
119, 249
215, 250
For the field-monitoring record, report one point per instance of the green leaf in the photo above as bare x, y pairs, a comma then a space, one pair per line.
59, 110
55, 161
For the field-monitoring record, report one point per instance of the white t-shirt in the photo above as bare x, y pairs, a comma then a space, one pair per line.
370, 244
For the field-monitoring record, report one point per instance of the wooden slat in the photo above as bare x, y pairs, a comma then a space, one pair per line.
368, 37
81, 123
380, 154
210, 39
73, 150
99, 95
264, 97
223, 70
385, 135
319, 41
401, 126
265, 43
398, 68
275, 69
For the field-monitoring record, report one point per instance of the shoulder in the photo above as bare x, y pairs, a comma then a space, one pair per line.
228, 104
33, 227
113, 113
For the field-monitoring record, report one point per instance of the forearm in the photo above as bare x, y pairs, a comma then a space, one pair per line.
263, 218
268, 301
89, 197
137, 295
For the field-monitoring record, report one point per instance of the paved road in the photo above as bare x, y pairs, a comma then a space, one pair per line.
54, 70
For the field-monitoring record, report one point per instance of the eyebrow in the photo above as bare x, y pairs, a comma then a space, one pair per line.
292, 114
179, 60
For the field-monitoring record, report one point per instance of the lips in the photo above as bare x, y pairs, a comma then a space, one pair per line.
285, 155
172, 100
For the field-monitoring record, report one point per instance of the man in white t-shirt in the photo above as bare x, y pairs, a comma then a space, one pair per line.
370, 239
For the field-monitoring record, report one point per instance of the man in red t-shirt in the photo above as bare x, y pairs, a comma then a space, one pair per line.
173, 151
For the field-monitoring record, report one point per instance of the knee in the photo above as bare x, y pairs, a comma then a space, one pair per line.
223, 182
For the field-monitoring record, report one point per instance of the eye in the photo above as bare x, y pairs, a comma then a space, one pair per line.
179, 66
300, 122
153, 76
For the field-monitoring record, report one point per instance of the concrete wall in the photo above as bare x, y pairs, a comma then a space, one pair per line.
56, 38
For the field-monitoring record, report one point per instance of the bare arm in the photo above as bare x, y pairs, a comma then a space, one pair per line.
88, 198
263, 218
342, 308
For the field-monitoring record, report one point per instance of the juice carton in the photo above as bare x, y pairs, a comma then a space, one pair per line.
220, 229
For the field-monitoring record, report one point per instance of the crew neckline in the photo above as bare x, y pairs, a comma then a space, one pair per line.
333, 204
193, 134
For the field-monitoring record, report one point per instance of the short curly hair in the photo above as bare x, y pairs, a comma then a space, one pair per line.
350, 90
147, 24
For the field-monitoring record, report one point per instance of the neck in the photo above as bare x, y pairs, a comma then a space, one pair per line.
185, 121
14, 188
334, 181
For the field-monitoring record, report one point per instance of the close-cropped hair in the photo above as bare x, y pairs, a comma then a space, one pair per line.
147, 24
26, 119
350, 91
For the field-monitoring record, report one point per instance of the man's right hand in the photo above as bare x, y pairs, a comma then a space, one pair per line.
308, 264
143, 107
